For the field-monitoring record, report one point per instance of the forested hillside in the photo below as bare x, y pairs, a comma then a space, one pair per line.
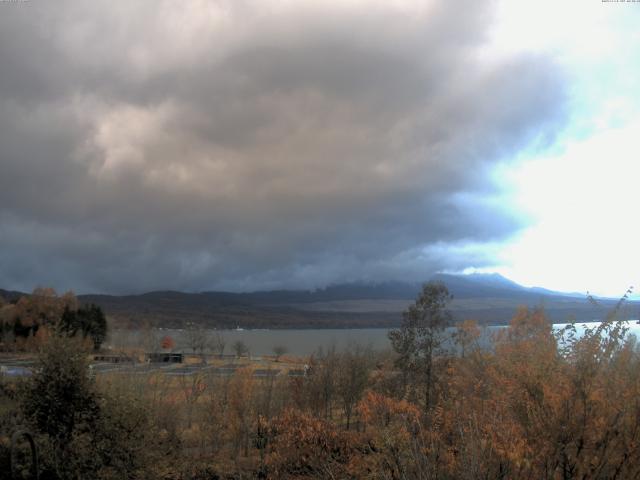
488, 299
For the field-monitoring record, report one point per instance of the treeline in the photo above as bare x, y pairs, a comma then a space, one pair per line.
538, 404
27, 321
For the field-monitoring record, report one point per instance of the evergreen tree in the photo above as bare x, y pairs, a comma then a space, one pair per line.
420, 337
61, 403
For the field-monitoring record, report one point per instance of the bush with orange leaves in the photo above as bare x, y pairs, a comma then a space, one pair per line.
545, 404
381, 411
393, 444
394, 438
303, 446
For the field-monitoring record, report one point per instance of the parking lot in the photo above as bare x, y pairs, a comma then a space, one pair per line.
24, 367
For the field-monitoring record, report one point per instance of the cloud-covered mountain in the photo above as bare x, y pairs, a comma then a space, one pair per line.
244, 145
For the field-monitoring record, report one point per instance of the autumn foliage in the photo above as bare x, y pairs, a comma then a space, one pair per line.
538, 404
26, 323
167, 343
528, 402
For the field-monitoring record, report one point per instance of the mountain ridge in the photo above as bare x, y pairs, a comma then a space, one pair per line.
488, 298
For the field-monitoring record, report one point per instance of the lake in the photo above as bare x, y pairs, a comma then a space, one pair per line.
296, 341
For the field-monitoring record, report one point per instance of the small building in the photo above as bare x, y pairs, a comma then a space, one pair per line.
165, 357
112, 359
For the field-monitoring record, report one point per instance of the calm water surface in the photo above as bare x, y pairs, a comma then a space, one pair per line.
296, 341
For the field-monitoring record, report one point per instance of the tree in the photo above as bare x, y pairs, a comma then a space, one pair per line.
302, 446
240, 348
88, 320
61, 402
197, 339
322, 385
93, 324
466, 336
241, 409
20, 318
69, 323
218, 343
167, 343
420, 336
353, 378
278, 351
6, 311
84, 432
192, 387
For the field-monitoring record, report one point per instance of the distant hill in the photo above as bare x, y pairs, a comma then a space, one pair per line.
10, 295
488, 298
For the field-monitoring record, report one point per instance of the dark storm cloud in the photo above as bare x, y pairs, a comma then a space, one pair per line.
255, 144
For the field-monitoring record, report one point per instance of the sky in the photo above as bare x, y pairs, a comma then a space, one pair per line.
244, 144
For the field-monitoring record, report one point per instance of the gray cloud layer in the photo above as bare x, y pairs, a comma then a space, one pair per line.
255, 144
